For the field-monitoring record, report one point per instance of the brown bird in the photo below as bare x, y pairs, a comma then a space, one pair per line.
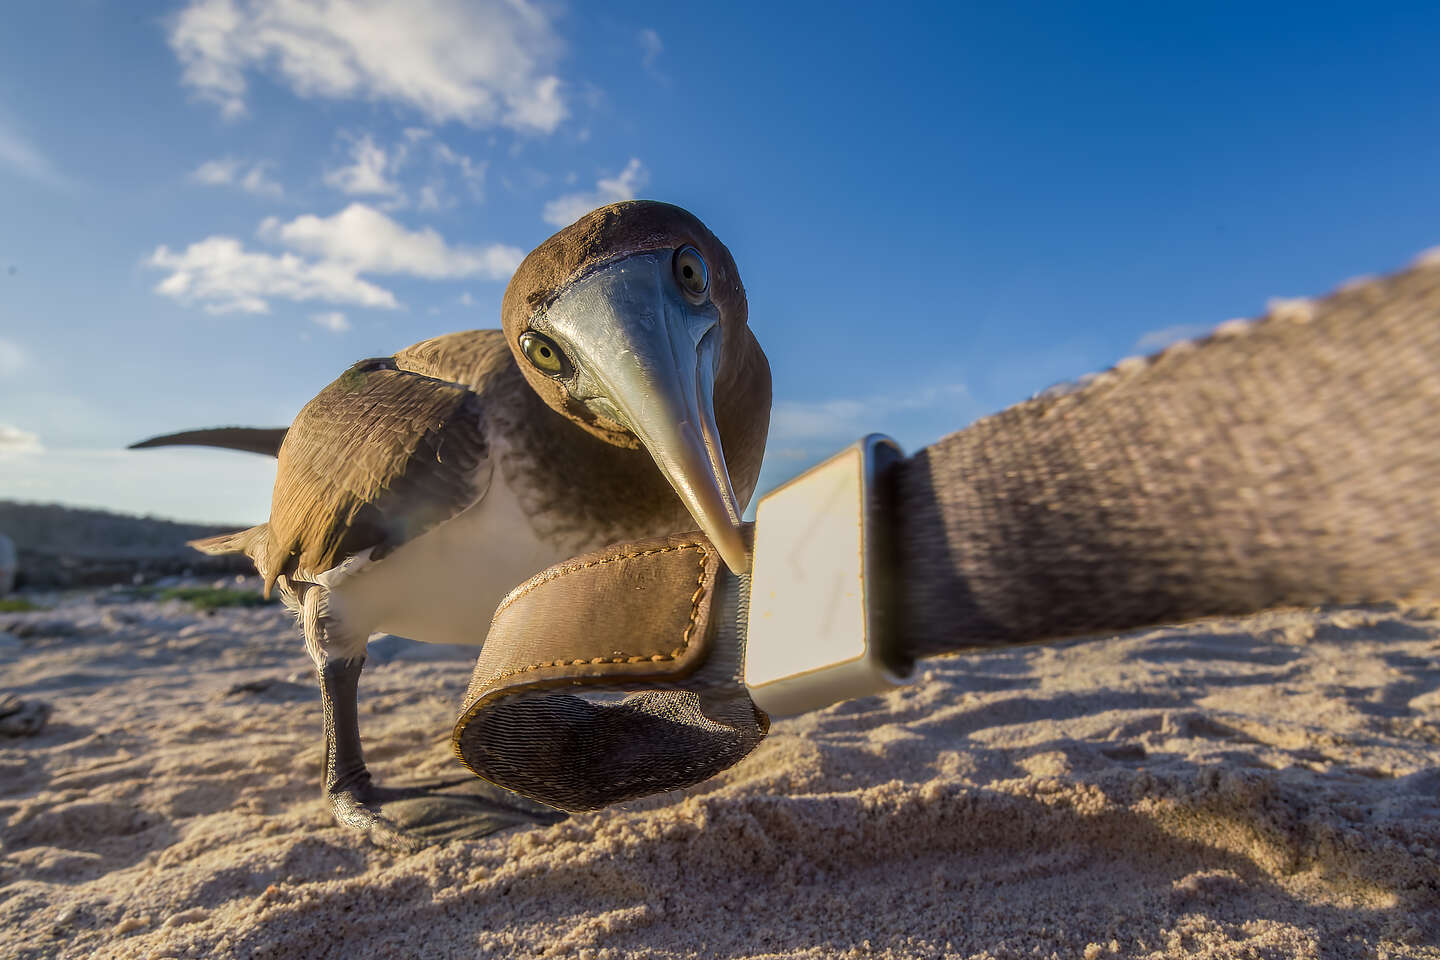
416, 490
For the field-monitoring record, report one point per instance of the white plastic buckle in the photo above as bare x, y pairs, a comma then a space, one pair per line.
819, 631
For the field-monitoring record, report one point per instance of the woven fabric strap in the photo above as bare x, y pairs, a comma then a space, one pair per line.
1294, 460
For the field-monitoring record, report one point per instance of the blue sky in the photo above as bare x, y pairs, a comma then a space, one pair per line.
208, 209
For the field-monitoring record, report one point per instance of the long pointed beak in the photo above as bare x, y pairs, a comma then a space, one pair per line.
648, 360
674, 416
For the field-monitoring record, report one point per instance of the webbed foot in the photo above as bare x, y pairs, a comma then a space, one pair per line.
413, 817
407, 817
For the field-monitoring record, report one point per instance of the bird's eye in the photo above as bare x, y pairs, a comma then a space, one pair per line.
690, 272
541, 351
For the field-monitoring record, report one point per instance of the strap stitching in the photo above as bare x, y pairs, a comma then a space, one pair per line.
547, 576
654, 658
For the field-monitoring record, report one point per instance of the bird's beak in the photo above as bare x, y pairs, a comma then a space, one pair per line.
646, 357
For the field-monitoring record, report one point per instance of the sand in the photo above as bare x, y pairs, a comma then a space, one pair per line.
1261, 787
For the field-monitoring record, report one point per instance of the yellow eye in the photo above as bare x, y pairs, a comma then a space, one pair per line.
541, 351
690, 272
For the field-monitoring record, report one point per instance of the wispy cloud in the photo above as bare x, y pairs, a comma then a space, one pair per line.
334, 321
13, 440
21, 157
224, 277
251, 178
366, 240
563, 211
802, 433
797, 426
1165, 336
472, 173
12, 358
382, 172
257, 183
651, 46
480, 62
368, 173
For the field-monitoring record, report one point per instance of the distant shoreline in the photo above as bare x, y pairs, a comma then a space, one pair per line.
63, 547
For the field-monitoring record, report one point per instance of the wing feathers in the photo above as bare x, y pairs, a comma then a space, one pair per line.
377, 458
242, 541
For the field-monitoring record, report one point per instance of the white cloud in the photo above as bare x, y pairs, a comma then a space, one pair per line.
563, 211
13, 440
651, 47
365, 240
480, 62
226, 278
334, 321
1165, 336
324, 260
226, 170
216, 172
19, 156
366, 175
471, 172
12, 358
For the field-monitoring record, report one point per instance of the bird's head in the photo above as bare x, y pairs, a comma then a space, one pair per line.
621, 322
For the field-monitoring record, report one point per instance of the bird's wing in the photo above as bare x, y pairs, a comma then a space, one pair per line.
262, 440
474, 358
377, 458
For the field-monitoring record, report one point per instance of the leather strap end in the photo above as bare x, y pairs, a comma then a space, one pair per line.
635, 616
552, 631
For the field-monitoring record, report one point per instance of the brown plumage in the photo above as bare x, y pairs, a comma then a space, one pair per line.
338, 492
415, 490
262, 440
604, 236
391, 448
377, 458
622, 490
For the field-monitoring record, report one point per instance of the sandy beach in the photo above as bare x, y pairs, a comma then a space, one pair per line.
1261, 787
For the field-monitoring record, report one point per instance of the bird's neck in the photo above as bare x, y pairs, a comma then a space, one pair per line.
584, 492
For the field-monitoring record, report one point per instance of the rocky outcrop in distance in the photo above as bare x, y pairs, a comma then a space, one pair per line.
59, 547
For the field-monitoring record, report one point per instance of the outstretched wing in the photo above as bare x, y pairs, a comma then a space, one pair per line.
377, 458
262, 440
471, 358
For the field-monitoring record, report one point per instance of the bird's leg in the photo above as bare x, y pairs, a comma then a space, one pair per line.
345, 772
406, 818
